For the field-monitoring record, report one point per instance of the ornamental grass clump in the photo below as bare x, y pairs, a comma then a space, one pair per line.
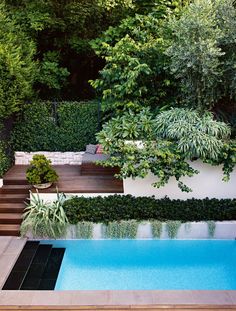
44, 219
41, 171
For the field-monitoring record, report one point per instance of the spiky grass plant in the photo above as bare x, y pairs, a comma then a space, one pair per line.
44, 219
196, 135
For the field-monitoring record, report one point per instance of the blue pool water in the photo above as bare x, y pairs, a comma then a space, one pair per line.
149, 264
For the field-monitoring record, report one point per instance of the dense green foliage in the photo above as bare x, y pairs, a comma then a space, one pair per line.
66, 126
4, 159
156, 54
40, 171
18, 70
116, 208
134, 74
197, 135
140, 143
44, 219
202, 52
63, 29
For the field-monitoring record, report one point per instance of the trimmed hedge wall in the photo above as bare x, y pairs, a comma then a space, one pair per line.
111, 208
66, 126
5, 161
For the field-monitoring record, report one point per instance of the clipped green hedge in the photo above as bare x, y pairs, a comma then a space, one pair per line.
71, 128
4, 159
115, 208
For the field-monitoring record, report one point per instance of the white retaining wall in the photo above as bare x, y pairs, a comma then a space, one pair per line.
190, 230
57, 158
208, 183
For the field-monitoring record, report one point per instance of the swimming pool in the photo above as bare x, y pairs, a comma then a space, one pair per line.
147, 265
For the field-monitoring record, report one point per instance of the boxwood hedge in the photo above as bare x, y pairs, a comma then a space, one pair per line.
117, 207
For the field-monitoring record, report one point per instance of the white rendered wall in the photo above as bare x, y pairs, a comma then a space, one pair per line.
208, 183
1, 182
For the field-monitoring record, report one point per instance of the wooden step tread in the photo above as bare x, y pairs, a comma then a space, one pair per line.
23, 187
13, 198
12, 207
10, 216
9, 229
12, 195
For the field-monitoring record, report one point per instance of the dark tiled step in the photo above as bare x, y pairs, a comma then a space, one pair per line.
34, 274
21, 266
52, 268
9, 229
12, 208
10, 218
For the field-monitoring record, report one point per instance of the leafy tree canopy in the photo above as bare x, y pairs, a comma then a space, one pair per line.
18, 70
135, 72
202, 52
140, 143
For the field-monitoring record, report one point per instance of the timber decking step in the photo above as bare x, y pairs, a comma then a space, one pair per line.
15, 189
14, 181
21, 266
10, 218
13, 198
52, 269
34, 275
12, 207
9, 230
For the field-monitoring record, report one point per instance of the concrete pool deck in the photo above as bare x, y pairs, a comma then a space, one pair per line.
10, 248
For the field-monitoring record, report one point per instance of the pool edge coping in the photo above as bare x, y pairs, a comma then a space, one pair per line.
121, 298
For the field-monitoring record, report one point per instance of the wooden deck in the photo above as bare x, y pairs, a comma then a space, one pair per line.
71, 180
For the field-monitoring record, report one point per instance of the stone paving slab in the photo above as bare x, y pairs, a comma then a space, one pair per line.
126, 299
10, 249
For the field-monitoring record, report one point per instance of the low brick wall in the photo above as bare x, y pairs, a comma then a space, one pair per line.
57, 158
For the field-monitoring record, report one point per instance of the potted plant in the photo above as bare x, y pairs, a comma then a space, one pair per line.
40, 174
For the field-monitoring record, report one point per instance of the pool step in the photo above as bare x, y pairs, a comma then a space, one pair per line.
37, 267
34, 274
51, 271
21, 266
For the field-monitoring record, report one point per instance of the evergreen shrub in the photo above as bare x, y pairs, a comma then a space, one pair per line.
65, 126
117, 208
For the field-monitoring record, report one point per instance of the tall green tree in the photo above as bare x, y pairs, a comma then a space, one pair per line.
65, 29
18, 70
202, 52
134, 75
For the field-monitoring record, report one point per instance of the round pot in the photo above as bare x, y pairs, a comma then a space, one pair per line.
43, 186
